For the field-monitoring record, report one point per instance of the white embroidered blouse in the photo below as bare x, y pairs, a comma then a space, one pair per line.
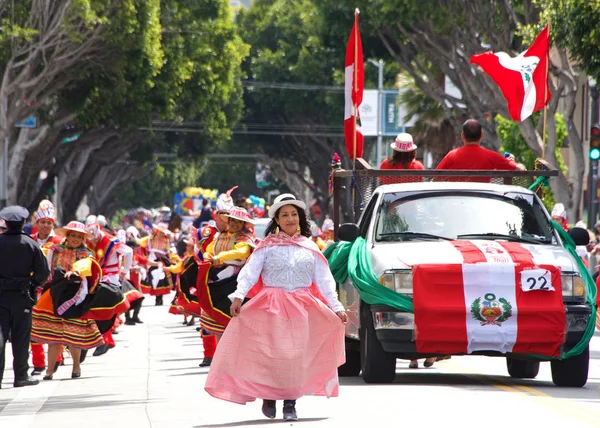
290, 267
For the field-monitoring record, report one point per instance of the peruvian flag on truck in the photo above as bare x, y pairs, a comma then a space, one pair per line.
497, 300
523, 79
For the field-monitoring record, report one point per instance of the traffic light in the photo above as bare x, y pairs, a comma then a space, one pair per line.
595, 142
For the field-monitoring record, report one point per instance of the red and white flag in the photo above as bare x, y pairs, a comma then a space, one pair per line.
523, 79
354, 85
496, 300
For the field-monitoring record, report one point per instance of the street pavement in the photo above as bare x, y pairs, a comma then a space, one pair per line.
152, 379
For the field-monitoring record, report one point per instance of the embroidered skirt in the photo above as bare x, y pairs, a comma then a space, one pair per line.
51, 329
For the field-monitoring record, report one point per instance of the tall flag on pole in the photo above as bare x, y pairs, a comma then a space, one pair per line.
523, 79
354, 85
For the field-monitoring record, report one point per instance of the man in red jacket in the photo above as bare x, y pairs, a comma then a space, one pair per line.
472, 156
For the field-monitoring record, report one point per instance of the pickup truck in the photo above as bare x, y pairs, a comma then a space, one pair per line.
462, 268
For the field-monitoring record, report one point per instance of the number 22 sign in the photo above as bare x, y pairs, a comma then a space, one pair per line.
536, 279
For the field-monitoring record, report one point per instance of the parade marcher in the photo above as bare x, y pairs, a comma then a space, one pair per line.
115, 258
206, 236
559, 215
23, 268
156, 249
131, 287
205, 216
45, 217
472, 156
58, 317
404, 156
226, 254
315, 233
290, 335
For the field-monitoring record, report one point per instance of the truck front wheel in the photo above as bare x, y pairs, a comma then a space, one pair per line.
378, 366
572, 372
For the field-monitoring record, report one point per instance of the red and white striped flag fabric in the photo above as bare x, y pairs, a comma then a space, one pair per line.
354, 86
523, 79
496, 300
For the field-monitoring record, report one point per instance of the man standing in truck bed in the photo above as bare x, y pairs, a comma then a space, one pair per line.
472, 156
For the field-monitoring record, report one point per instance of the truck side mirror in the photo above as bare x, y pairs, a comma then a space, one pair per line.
348, 232
580, 235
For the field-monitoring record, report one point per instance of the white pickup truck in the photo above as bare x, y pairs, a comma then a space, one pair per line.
461, 268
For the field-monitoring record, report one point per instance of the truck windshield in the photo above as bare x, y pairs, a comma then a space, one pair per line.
512, 216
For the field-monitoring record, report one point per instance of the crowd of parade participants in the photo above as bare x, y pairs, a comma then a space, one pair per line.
219, 269
99, 277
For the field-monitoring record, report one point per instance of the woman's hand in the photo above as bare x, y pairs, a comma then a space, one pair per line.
208, 257
236, 306
343, 316
71, 273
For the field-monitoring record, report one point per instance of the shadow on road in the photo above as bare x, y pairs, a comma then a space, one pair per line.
480, 382
259, 422
89, 401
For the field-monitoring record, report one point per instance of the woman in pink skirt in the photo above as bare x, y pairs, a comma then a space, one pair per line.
288, 340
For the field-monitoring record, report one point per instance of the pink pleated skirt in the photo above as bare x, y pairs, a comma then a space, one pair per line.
284, 345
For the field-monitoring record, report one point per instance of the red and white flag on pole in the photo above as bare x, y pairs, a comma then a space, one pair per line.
497, 300
523, 79
354, 85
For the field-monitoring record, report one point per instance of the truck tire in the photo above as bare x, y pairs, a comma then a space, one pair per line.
377, 365
522, 369
572, 372
351, 367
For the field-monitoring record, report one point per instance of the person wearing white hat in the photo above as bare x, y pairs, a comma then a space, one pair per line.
404, 156
45, 217
227, 253
293, 327
49, 324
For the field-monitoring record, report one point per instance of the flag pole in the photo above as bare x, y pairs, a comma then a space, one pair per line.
354, 88
546, 93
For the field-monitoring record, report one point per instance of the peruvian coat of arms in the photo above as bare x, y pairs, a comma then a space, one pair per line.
491, 311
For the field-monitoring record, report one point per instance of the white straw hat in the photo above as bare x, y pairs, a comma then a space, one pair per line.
285, 199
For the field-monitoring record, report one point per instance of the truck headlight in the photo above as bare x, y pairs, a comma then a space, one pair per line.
573, 285
399, 281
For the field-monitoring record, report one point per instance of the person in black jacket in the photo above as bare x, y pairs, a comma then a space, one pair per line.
23, 267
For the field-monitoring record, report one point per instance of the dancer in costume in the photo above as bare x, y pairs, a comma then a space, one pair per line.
156, 254
115, 259
58, 317
290, 335
225, 256
45, 217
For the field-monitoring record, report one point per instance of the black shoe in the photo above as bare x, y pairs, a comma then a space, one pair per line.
268, 408
101, 350
129, 322
83, 355
48, 377
289, 412
28, 381
206, 362
198, 328
38, 371
75, 375
138, 321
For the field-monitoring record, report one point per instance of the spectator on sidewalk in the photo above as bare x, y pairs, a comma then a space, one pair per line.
205, 215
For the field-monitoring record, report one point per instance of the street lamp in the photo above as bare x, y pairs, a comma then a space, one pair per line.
379, 65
